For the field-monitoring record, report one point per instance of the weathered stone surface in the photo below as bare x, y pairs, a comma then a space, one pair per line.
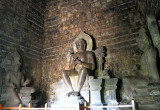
62, 101
154, 89
95, 88
12, 93
27, 90
110, 91
154, 30
60, 90
100, 54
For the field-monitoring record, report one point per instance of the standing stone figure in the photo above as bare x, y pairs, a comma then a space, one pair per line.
81, 63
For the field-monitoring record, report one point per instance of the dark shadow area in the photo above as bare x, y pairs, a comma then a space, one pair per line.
38, 98
119, 90
102, 91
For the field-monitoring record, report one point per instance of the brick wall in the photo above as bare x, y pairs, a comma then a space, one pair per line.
112, 23
21, 28
148, 7
42, 41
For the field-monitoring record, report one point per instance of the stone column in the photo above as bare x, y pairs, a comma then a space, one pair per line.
110, 92
95, 88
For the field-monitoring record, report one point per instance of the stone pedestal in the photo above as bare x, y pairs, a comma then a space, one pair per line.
25, 95
110, 92
60, 91
85, 89
91, 92
65, 102
95, 88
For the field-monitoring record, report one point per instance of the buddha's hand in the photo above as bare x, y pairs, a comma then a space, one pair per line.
77, 61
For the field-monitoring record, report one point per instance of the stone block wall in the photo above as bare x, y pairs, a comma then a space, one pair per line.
21, 28
111, 23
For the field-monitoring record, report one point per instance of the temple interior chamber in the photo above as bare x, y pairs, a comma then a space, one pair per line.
65, 52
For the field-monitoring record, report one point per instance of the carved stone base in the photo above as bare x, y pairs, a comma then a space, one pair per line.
68, 103
61, 90
110, 91
91, 93
25, 95
95, 88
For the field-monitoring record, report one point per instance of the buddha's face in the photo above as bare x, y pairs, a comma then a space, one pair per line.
80, 44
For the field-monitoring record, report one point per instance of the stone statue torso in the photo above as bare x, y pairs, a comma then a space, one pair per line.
149, 64
83, 57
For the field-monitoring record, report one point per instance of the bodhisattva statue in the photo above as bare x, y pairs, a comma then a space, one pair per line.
81, 63
149, 70
149, 57
14, 79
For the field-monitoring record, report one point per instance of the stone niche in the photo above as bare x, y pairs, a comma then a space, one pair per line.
13, 90
91, 91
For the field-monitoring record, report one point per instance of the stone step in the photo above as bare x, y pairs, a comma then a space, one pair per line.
125, 108
147, 98
153, 89
149, 107
148, 102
